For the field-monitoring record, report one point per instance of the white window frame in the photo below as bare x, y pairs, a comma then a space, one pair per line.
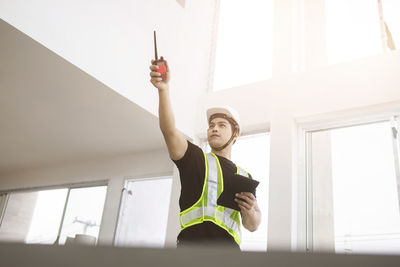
302, 212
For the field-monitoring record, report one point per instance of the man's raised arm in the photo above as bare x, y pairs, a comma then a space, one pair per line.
176, 142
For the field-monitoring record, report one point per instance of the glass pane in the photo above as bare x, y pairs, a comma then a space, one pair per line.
143, 217
33, 217
391, 11
84, 212
353, 29
252, 153
237, 47
362, 185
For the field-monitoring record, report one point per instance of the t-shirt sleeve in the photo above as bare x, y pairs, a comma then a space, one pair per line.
192, 151
191, 172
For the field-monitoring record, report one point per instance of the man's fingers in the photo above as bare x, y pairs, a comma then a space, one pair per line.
156, 77
154, 74
155, 80
153, 67
243, 203
241, 207
246, 197
249, 195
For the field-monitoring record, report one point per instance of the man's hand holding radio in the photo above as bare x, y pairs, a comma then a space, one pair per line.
158, 82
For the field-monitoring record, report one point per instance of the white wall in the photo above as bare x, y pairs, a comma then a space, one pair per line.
358, 83
115, 170
113, 42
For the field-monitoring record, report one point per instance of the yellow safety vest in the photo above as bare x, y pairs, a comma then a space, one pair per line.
206, 208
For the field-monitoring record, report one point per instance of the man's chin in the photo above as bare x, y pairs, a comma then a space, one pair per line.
215, 144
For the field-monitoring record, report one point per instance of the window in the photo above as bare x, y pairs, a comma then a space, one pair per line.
84, 212
243, 56
353, 29
355, 198
48, 216
251, 152
143, 216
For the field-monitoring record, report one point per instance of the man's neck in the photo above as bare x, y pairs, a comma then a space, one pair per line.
226, 152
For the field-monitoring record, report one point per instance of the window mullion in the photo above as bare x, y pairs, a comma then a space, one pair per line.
124, 194
63, 217
3, 205
395, 127
309, 195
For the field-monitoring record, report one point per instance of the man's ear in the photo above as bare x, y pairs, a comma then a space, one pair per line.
236, 133
236, 137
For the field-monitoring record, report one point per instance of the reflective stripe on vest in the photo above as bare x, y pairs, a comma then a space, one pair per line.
206, 208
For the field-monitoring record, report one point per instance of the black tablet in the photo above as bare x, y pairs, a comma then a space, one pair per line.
236, 184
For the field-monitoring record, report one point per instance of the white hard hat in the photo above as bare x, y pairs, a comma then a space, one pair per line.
228, 111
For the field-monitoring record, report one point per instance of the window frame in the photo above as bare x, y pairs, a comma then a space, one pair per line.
302, 211
55, 186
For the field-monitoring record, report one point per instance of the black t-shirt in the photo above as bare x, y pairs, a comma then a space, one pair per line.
192, 171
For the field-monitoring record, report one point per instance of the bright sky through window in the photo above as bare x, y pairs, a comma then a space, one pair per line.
85, 204
366, 207
46, 217
84, 212
358, 168
244, 43
353, 29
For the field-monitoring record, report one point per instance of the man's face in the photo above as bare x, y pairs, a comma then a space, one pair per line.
219, 132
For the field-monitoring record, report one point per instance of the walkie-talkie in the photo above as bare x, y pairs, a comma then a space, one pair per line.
162, 68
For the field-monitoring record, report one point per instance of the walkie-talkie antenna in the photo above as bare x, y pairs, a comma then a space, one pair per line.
155, 45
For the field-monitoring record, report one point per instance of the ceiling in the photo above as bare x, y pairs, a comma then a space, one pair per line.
52, 112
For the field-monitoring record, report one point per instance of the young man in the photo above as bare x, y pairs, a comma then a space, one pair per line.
203, 176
